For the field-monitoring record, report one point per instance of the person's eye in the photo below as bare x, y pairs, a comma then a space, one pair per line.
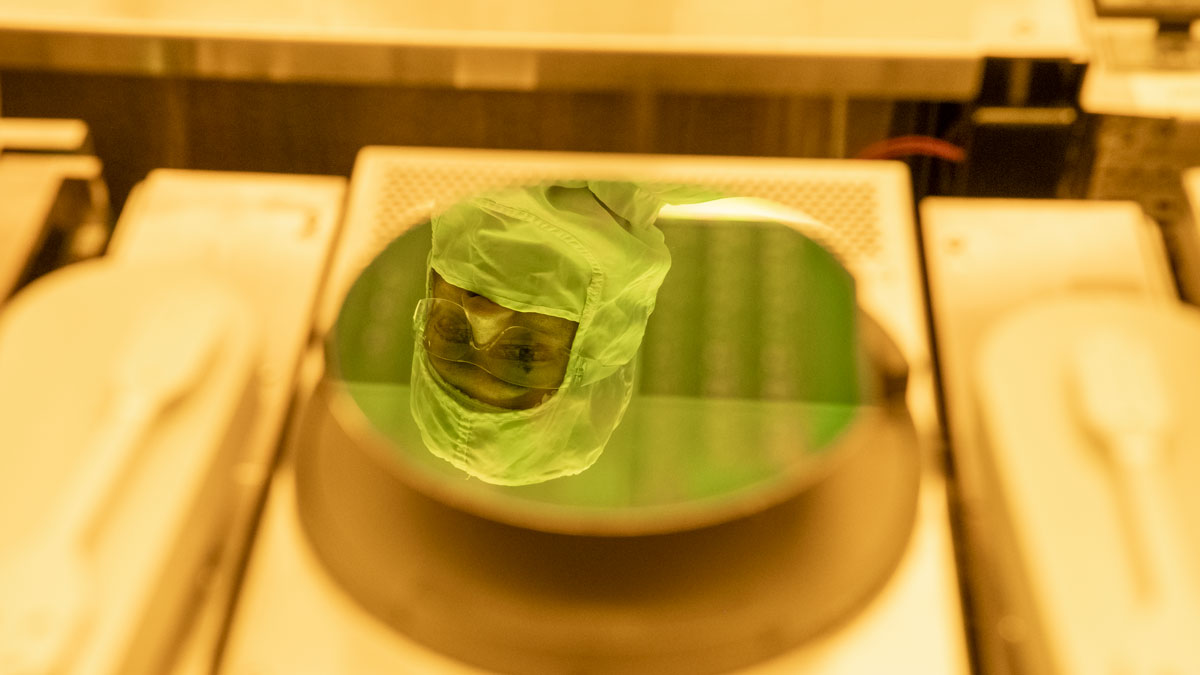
524, 353
452, 330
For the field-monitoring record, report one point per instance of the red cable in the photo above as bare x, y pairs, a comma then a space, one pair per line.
903, 146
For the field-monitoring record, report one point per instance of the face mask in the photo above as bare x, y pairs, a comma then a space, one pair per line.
562, 436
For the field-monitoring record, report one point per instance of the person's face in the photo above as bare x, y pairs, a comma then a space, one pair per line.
487, 321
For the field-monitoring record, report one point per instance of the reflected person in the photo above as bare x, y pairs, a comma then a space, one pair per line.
525, 344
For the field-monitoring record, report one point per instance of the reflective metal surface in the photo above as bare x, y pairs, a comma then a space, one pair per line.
754, 373
697, 601
726, 522
932, 48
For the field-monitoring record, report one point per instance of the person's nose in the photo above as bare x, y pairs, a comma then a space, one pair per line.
487, 322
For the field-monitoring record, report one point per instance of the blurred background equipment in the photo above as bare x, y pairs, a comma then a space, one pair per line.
111, 515
1102, 520
271, 238
275, 87
1039, 249
1185, 233
55, 207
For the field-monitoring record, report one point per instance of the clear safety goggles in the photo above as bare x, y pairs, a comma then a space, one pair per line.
519, 355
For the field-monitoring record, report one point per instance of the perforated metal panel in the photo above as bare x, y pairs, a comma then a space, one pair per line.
866, 204
850, 207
